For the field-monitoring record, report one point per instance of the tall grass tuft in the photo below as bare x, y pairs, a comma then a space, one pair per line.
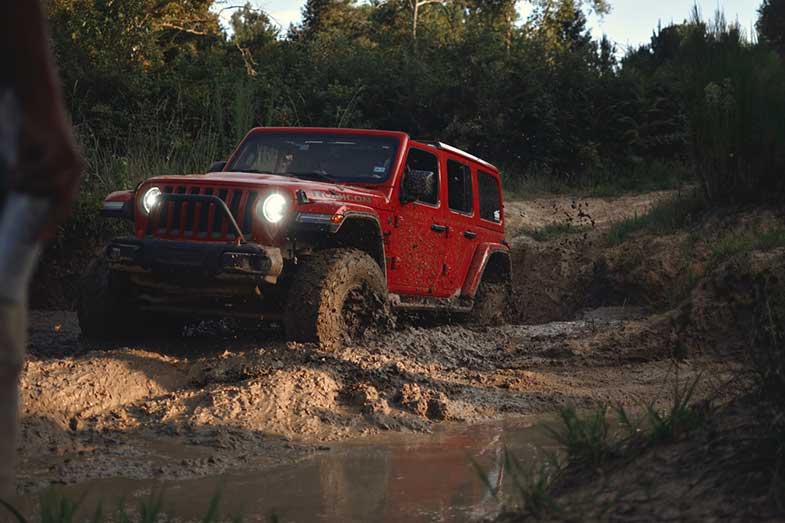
530, 486
678, 418
58, 508
586, 439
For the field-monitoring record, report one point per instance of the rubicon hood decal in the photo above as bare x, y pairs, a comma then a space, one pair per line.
338, 196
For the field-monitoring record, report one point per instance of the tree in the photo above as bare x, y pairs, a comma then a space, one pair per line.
416, 5
251, 32
601, 7
333, 18
252, 27
771, 24
562, 24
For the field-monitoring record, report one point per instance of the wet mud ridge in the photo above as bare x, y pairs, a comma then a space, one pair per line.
207, 403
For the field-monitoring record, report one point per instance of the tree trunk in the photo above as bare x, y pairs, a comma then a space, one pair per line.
414, 20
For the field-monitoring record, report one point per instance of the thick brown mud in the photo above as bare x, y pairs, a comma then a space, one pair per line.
207, 404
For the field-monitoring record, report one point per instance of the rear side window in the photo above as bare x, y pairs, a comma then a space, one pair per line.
490, 197
459, 187
419, 160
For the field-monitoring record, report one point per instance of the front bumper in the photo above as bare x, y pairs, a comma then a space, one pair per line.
214, 260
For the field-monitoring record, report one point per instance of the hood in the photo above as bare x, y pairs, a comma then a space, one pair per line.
314, 190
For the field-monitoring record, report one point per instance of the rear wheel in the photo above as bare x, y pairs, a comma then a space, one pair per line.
492, 303
106, 307
335, 297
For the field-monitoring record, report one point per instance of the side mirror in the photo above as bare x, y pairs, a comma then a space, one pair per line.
417, 185
217, 167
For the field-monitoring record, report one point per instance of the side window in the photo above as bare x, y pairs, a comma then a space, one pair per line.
419, 160
490, 197
459, 187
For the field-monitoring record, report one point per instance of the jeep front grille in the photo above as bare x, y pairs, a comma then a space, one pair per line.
200, 220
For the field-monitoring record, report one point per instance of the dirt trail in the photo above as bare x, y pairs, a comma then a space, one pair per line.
218, 400
523, 215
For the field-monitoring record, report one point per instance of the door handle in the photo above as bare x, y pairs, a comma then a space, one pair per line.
470, 234
439, 228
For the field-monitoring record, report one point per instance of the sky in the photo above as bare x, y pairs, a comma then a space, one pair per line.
630, 22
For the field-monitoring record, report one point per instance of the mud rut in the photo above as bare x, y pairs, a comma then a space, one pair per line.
219, 399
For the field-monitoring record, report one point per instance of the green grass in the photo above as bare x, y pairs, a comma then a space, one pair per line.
530, 491
56, 507
586, 439
748, 241
625, 179
680, 416
556, 230
666, 218
532, 486
590, 440
654, 426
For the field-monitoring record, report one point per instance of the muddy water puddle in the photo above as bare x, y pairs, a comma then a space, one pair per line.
391, 478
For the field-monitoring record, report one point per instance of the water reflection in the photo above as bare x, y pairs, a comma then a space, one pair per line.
397, 477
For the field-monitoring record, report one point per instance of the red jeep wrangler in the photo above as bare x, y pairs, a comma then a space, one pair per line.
318, 228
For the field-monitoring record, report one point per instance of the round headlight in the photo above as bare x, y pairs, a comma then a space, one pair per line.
274, 208
150, 199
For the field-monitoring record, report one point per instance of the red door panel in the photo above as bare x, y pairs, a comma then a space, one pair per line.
460, 215
417, 239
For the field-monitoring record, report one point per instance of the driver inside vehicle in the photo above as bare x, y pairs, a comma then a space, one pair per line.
344, 158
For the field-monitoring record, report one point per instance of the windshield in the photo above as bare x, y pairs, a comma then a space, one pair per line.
331, 157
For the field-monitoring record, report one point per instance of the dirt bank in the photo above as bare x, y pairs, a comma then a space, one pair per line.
719, 282
222, 399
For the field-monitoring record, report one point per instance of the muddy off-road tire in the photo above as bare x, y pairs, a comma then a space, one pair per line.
105, 310
492, 304
335, 297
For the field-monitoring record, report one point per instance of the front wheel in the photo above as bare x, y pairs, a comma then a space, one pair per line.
335, 297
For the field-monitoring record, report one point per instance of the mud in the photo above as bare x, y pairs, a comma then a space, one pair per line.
526, 215
219, 399
407, 477
206, 404
557, 279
